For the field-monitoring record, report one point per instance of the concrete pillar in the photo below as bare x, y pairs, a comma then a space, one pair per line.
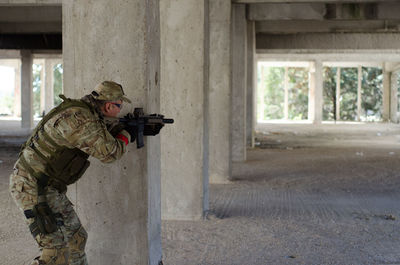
49, 85
17, 90
220, 91
250, 89
184, 147
386, 94
239, 80
394, 104
26, 90
315, 99
119, 203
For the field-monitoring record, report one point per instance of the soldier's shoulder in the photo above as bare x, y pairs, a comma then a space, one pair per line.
73, 117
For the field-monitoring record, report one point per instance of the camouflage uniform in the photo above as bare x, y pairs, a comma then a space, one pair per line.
73, 127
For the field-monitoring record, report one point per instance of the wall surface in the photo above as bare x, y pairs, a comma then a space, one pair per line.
118, 203
220, 90
182, 98
239, 82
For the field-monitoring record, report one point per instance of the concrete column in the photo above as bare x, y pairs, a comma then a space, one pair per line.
184, 146
239, 80
250, 89
338, 93
26, 90
220, 91
386, 94
315, 99
49, 85
119, 203
393, 97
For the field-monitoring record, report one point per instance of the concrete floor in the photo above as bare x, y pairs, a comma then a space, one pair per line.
306, 195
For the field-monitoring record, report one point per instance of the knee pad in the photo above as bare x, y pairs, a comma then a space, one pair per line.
77, 242
54, 256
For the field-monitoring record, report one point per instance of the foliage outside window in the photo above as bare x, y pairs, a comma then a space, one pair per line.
298, 93
36, 70
58, 85
329, 93
371, 94
274, 93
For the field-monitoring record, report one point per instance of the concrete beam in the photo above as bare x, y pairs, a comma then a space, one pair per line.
119, 203
321, 41
30, 14
26, 90
220, 91
183, 66
304, 26
308, 1
286, 11
239, 81
31, 2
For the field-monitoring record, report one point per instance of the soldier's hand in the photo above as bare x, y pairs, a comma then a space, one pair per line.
132, 132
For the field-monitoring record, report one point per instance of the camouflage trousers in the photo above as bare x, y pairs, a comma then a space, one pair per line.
69, 239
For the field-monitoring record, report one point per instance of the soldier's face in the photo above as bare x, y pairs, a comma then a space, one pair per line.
112, 109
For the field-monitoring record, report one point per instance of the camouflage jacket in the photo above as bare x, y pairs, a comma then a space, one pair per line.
81, 128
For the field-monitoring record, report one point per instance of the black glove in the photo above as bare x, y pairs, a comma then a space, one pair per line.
132, 132
44, 218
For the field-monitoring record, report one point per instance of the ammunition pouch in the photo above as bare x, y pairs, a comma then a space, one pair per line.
45, 221
69, 166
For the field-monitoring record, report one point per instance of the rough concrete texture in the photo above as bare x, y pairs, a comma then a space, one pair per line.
283, 11
119, 203
182, 74
250, 83
307, 195
328, 41
238, 83
220, 91
26, 90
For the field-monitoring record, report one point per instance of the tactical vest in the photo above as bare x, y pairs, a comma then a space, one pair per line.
64, 166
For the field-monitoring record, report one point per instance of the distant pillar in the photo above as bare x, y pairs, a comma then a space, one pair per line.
220, 91
386, 94
250, 88
49, 85
26, 90
394, 104
315, 93
239, 80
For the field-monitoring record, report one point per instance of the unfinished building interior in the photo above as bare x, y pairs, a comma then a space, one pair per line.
285, 144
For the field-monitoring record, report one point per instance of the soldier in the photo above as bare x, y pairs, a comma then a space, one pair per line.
56, 156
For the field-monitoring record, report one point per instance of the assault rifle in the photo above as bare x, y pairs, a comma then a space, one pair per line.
144, 125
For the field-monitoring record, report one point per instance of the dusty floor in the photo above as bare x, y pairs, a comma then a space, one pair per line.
326, 195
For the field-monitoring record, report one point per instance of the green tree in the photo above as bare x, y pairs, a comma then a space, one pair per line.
274, 93
58, 84
329, 93
348, 94
36, 70
298, 93
371, 94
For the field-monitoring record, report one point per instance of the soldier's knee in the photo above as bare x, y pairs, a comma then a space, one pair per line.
77, 242
54, 256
